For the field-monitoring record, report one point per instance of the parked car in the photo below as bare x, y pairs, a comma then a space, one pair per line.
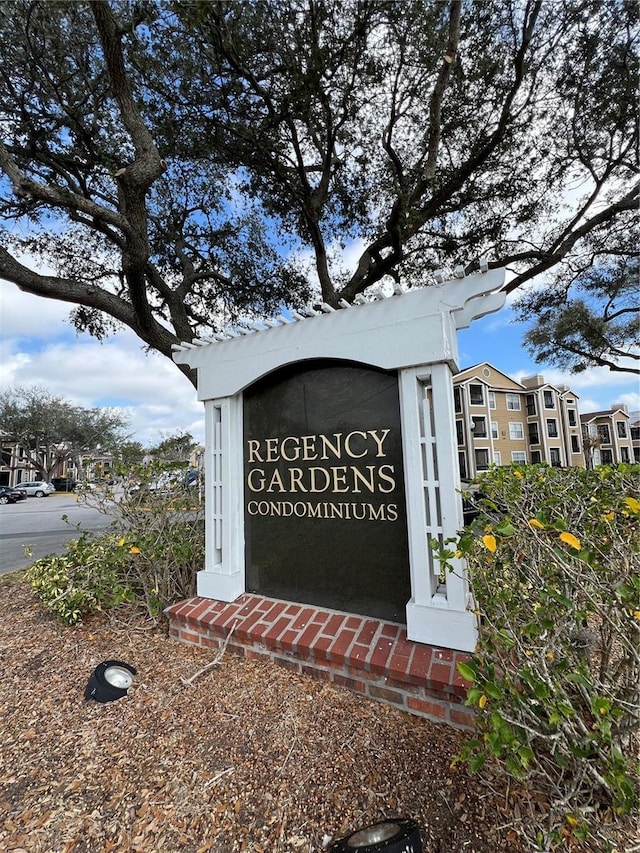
63, 484
38, 488
11, 496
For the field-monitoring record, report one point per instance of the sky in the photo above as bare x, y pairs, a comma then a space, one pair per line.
38, 347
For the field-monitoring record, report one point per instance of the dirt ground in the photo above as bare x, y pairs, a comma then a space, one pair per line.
250, 757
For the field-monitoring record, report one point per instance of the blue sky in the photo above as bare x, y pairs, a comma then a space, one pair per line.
39, 348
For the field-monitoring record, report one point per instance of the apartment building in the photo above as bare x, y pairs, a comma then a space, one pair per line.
502, 421
608, 437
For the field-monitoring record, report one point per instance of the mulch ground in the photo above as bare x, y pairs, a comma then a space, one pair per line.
250, 757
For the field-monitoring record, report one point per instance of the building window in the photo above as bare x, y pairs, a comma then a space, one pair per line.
519, 457
494, 429
479, 427
536, 459
482, 460
516, 430
531, 404
513, 402
459, 432
603, 433
534, 435
476, 395
573, 421
575, 444
622, 429
456, 399
552, 428
554, 456
549, 400
462, 463
635, 433
492, 399
6, 456
606, 457
497, 457
624, 454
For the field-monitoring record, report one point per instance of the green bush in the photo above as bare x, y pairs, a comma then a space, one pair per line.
90, 576
553, 561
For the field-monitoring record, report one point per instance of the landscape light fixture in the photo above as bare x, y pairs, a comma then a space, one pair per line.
396, 835
109, 681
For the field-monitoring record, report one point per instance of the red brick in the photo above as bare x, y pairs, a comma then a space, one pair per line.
463, 717
385, 694
391, 631
424, 706
288, 640
287, 663
315, 672
308, 636
340, 646
303, 618
420, 663
321, 617
358, 654
320, 647
271, 636
398, 665
234, 649
379, 655
189, 637
446, 655
368, 632
210, 642
274, 611
353, 623
333, 626
440, 673
293, 610
257, 654
350, 683
243, 631
198, 612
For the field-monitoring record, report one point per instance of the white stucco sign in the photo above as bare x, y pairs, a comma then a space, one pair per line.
331, 459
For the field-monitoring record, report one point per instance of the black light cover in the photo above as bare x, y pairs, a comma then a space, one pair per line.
396, 835
109, 681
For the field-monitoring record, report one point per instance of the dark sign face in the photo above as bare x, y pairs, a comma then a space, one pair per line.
325, 519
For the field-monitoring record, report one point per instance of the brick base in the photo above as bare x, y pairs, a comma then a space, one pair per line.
366, 655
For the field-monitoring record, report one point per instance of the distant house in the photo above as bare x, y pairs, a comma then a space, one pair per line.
608, 437
500, 421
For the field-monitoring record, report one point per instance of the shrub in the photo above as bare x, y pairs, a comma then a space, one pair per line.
554, 569
90, 576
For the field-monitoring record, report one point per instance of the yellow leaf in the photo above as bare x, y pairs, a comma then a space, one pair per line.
519, 474
549, 655
121, 542
489, 542
609, 516
535, 523
571, 820
134, 550
482, 701
636, 613
570, 540
603, 710
633, 504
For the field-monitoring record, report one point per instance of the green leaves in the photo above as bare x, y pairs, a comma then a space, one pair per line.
555, 670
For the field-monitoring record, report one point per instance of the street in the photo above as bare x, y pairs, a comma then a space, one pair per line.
33, 528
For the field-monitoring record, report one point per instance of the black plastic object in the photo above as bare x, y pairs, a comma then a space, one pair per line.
101, 686
396, 835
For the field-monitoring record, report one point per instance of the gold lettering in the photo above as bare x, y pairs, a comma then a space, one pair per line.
392, 512
250, 480
369, 483
252, 508
295, 480
276, 481
379, 441
313, 473
387, 479
309, 447
376, 515
254, 447
296, 452
339, 475
336, 448
347, 445
272, 450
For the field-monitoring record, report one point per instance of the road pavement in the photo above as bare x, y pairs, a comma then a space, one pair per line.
34, 528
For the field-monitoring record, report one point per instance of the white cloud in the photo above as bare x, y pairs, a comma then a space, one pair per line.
37, 349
